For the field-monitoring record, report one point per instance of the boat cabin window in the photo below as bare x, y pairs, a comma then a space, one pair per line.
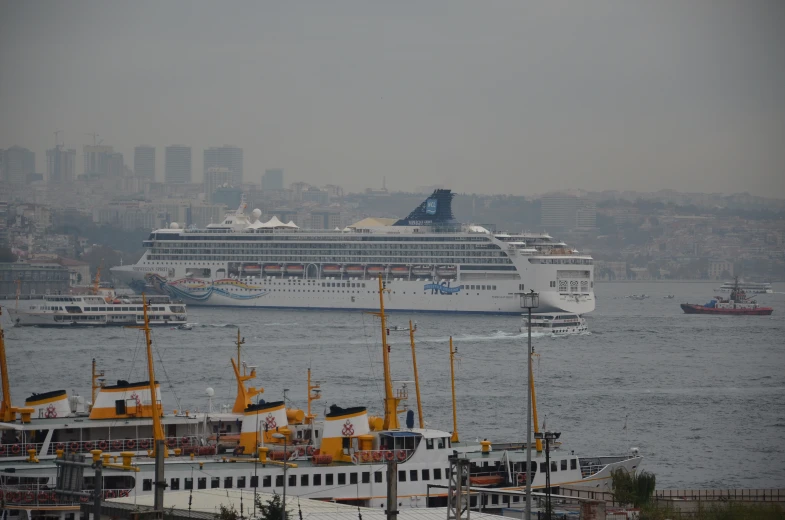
241, 482
441, 442
317, 479
279, 481
426, 474
215, 482
574, 464
188, 483
228, 482
378, 476
553, 466
543, 467
201, 483
119, 407
429, 444
341, 479
147, 484
303, 480
328, 478
413, 475
402, 475
353, 477
564, 465
174, 484
437, 474
267, 481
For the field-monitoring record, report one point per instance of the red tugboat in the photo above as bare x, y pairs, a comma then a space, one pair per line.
737, 303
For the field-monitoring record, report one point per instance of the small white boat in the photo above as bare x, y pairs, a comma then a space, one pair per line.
551, 323
185, 326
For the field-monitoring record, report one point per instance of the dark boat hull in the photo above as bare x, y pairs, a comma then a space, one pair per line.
690, 308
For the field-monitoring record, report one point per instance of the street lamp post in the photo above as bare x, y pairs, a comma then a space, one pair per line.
531, 300
548, 436
279, 436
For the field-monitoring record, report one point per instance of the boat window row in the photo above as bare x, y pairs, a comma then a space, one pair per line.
294, 480
574, 261
480, 287
316, 237
342, 284
424, 257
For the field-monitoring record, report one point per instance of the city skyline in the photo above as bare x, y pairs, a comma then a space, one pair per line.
490, 99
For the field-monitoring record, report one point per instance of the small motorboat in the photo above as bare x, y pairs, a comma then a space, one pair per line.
185, 326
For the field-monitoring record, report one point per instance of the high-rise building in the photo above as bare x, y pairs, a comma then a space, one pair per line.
565, 212
97, 159
144, 162
215, 178
178, 164
272, 179
116, 165
60, 165
19, 163
226, 156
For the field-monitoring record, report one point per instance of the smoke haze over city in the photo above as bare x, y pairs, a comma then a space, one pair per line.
494, 97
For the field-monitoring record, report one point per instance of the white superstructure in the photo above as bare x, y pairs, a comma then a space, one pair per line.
555, 323
429, 261
748, 287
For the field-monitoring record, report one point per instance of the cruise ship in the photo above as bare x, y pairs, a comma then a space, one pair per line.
429, 261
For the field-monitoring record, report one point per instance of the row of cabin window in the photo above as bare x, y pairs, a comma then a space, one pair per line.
329, 479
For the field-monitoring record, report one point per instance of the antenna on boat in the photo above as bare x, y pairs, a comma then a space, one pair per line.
454, 437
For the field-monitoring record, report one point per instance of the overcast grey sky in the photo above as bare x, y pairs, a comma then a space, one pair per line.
482, 96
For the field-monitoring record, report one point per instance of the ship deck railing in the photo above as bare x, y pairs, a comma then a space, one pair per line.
378, 456
34, 495
186, 443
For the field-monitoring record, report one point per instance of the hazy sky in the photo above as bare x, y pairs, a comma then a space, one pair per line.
481, 96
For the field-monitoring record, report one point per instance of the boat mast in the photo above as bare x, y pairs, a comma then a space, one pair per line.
390, 401
158, 431
96, 385
6, 410
538, 442
313, 394
454, 437
416, 375
244, 395
97, 281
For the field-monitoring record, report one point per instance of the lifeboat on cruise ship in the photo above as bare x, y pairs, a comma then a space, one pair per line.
295, 269
375, 270
331, 270
400, 270
272, 269
446, 270
421, 270
252, 269
355, 270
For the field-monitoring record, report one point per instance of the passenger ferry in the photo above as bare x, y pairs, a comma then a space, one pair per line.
342, 457
98, 311
430, 261
748, 287
555, 323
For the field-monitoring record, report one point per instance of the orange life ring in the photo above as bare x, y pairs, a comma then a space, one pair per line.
110, 493
42, 497
29, 497
521, 477
185, 441
389, 455
401, 455
13, 496
144, 444
377, 456
309, 451
59, 446
124, 493
117, 444
74, 446
365, 456
130, 444
171, 442
103, 445
83, 499
16, 448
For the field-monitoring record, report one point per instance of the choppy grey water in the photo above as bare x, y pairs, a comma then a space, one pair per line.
703, 395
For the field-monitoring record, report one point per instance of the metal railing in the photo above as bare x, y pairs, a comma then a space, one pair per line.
141, 444
377, 456
37, 495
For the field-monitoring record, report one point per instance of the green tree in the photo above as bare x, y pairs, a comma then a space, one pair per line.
228, 513
272, 509
633, 488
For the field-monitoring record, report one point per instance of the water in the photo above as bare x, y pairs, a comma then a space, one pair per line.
703, 395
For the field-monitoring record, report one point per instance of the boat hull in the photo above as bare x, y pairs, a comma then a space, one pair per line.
690, 308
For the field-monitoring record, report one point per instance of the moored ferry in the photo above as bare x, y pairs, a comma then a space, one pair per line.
430, 261
98, 311
748, 287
